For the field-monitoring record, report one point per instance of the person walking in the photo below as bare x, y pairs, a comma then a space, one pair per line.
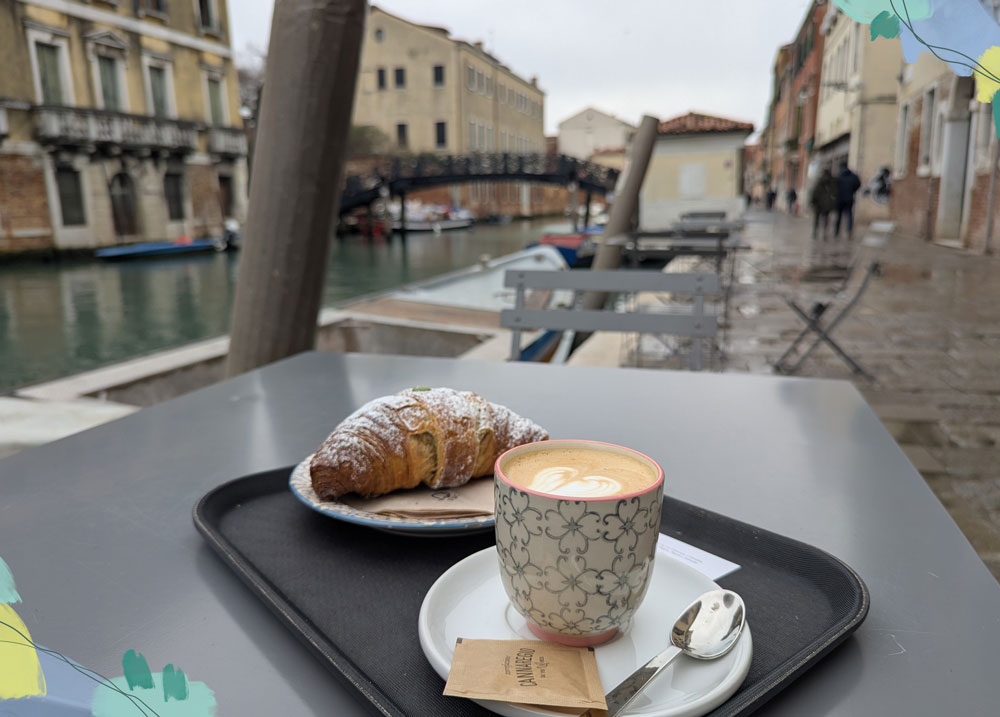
823, 200
847, 186
791, 197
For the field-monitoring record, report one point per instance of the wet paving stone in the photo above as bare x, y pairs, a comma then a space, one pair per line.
929, 332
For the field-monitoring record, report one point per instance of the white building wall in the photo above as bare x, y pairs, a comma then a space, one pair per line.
584, 133
690, 173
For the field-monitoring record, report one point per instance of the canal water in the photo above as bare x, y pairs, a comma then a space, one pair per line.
63, 318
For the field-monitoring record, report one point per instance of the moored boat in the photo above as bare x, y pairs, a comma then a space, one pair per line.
422, 217
159, 248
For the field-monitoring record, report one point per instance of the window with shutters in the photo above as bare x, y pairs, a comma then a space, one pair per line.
216, 112
111, 95
158, 91
173, 191
49, 73
70, 196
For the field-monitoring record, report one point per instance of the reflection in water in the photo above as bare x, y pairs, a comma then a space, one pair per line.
60, 319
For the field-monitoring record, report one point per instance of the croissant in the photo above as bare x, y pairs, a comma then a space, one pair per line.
439, 437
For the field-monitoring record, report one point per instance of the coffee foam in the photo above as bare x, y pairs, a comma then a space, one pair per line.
579, 472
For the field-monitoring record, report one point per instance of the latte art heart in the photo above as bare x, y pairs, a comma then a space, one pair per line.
566, 481
582, 473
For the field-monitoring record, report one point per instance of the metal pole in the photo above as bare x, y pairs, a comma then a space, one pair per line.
929, 216
574, 199
311, 72
586, 211
992, 200
402, 215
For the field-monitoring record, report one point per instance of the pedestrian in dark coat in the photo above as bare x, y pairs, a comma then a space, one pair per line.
823, 200
847, 186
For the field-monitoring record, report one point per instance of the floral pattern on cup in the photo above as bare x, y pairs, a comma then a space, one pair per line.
576, 567
573, 526
523, 521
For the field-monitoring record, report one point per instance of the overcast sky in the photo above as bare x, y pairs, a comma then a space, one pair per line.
626, 57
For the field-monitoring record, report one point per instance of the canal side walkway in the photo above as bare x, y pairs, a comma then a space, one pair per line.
26, 422
928, 330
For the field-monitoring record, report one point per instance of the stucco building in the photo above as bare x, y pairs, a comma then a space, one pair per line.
118, 122
929, 185
856, 119
590, 131
429, 92
774, 135
790, 136
697, 165
944, 155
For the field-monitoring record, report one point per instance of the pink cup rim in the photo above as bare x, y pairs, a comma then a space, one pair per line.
651, 487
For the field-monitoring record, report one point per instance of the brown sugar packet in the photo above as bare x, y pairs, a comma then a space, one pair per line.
526, 671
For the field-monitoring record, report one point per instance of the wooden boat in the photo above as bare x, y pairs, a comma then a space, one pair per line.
473, 298
159, 248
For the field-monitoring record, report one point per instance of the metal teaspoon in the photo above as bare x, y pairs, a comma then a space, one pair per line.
707, 629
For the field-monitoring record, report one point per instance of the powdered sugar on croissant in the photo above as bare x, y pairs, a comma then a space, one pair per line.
439, 437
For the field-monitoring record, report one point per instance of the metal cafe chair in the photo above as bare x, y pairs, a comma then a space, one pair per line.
693, 322
814, 317
814, 325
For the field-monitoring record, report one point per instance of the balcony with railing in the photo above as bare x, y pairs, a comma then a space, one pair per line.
227, 141
81, 126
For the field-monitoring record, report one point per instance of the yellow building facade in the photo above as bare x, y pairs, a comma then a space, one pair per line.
856, 119
431, 93
696, 166
119, 122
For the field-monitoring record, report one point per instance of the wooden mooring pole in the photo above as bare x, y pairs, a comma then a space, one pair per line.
312, 68
402, 216
626, 204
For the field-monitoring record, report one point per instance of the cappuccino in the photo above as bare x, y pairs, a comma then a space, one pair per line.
576, 472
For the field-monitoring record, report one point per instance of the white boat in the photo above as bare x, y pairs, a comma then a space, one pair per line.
435, 218
481, 286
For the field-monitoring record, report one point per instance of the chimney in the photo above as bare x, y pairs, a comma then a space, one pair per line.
478, 44
534, 80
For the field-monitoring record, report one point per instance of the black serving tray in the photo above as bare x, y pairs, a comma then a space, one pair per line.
352, 594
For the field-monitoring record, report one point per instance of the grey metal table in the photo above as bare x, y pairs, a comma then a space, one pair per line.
97, 527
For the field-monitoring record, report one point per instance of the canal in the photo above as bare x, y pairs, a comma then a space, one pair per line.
63, 318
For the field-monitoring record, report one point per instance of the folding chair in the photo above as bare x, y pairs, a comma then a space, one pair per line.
813, 325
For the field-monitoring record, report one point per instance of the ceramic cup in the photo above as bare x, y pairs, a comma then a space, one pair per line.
576, 568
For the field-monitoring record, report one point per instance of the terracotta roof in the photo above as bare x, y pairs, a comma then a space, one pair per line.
694, 123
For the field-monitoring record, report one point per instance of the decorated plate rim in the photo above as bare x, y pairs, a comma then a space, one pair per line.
300, 484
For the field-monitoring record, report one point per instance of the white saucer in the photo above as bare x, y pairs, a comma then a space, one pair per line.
468, 601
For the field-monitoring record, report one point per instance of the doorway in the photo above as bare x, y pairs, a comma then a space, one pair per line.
952, 147
122, 191
226, 195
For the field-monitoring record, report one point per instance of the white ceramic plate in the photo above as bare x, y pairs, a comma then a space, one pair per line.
301, 485
468, 601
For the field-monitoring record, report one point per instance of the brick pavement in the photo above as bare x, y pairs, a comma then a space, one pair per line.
929, 332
